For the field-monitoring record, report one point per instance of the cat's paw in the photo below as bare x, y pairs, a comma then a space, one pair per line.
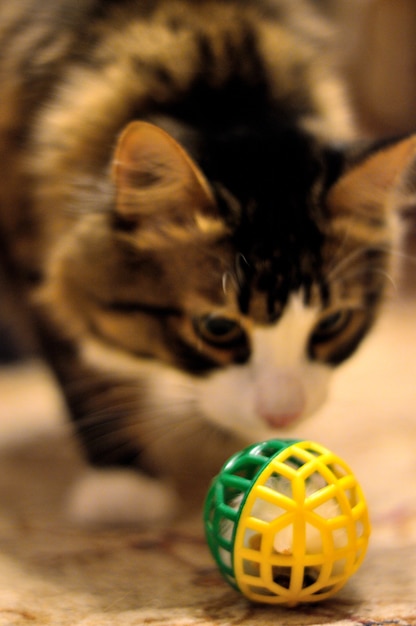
115, 497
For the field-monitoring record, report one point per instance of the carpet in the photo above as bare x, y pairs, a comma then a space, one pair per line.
55, 574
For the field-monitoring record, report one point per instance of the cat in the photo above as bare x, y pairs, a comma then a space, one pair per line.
197, 237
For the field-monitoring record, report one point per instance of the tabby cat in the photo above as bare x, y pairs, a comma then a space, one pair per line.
197, 246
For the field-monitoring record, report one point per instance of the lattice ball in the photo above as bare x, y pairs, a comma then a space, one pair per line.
286, 522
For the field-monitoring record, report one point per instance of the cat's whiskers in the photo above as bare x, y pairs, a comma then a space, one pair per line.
351, 257
341, 247
399, 253
363, 270
341, 273
112, 436
134, 412
119, 435
87, 381
240, 273
163, 422
229, 278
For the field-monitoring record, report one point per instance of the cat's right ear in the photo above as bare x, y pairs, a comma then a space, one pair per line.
158, 185
375, 179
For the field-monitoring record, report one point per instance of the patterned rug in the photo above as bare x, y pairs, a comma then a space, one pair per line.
53, 574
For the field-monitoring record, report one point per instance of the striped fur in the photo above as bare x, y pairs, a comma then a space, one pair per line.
196, 250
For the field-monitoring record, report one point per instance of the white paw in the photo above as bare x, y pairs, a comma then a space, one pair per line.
118, 496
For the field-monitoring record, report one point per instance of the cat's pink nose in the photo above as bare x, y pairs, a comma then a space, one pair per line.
280, 402
281, 420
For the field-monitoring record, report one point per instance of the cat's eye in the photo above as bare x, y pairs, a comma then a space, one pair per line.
219, 330
338, 333
332, 324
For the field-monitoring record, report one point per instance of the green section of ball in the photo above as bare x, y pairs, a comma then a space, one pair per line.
227, 495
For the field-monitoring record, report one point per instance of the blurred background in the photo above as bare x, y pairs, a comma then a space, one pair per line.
377, 46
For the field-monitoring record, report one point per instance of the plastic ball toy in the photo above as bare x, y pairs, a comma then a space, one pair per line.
286, 522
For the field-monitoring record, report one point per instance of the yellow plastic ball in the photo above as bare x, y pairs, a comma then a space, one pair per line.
287, 522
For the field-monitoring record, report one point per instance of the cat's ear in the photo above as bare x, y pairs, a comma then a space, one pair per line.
156, 179
377, 179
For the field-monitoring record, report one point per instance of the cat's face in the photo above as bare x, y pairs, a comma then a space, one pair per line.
217, 312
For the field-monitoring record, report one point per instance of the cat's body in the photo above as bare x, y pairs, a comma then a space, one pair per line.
172, 202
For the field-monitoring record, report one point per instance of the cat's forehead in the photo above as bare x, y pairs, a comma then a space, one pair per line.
269, 183
269, 192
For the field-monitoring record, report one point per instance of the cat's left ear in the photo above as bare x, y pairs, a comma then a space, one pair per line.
157, 182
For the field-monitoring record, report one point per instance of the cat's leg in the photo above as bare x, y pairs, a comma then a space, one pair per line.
121, 485
124, 487
119, 496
